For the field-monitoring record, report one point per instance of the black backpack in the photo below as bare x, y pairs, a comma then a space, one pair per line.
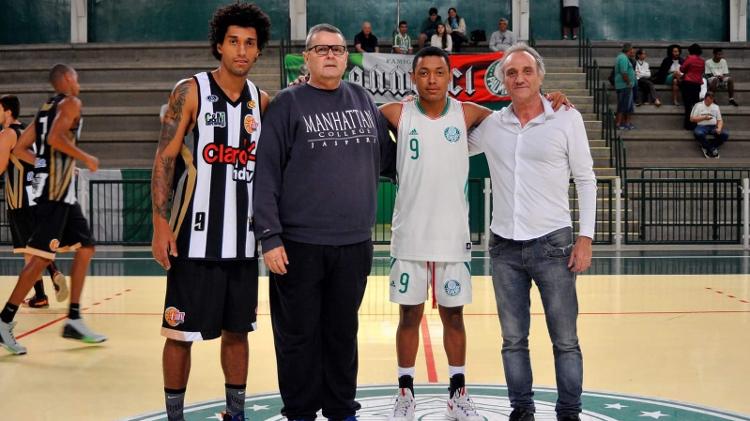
478, 35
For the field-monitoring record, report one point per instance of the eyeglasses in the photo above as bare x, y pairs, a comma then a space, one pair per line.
322, 50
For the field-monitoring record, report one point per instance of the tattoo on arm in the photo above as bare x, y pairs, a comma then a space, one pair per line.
163, 171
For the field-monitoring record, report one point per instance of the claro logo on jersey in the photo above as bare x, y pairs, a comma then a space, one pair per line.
242, 158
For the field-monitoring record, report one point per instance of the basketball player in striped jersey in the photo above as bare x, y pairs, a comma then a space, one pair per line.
206, 241
18, 177
60, 224
430, 243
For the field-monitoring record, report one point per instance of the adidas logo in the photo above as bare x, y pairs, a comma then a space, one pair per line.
413, 132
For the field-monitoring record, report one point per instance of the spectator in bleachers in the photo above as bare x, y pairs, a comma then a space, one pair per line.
692, 70
571, 18
366, 41
401, 41
624, 83
669, 71
456, 27
441, 39
707, 117
717, 72
645, 85
502, 39
429, 27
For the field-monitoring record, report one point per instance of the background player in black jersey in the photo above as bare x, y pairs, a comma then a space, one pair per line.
211, 287
17, 190
60, 222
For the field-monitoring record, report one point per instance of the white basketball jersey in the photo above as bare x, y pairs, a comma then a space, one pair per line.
431, 214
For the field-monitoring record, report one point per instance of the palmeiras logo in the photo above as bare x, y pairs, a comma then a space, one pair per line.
452, 134
492, 82
491, 403
452, 287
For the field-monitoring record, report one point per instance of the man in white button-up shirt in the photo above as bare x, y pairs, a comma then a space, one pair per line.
532, 152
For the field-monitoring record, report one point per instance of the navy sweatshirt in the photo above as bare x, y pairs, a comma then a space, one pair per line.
318, 163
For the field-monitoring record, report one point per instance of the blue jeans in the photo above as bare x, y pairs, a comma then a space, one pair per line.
545, 259
701, 135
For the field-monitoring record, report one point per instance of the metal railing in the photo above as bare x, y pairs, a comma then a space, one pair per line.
120, 211
683, 211
605, 211
731, 173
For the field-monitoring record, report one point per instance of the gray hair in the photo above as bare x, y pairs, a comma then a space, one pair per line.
627, 47
502, 20
322, 27
519, 47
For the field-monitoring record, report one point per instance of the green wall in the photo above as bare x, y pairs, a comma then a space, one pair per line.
479, 14
167, 20
638, 20
28, 22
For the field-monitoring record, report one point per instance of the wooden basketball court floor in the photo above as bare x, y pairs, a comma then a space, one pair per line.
667, 325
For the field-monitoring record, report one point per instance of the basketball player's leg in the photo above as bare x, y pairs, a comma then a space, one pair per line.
193, 311
453, 291
241, 303
26, 279
409, 282
22, 225
76, 236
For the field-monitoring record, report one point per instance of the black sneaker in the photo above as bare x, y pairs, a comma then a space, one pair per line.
575, 417
715, 153
519, 414
37, 302
733, 102
706, 153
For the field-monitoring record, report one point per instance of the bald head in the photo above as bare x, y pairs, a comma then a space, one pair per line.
58, 72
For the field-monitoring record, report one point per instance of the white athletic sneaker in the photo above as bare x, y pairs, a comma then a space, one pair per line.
404, 406
8, 341
61, 286
76, 329
461, 407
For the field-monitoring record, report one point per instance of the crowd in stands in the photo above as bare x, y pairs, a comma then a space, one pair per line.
693, 78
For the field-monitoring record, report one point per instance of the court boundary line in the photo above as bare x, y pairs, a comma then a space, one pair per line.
428, 354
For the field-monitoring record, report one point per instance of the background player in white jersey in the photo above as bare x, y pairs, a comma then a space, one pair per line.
18, 185
431, 245
61, 224
208, 247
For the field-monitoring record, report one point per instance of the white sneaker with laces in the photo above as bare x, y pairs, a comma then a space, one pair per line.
76, 329
8, 340
404, 406
461, 407
61, 287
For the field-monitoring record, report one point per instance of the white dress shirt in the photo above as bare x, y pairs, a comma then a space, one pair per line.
531, 169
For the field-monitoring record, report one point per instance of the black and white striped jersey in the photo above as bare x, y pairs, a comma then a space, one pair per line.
212, 215
18, 177
54, 170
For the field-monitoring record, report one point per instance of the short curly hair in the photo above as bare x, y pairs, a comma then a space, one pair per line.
246, 15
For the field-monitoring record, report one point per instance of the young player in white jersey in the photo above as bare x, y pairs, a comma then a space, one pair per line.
430, 244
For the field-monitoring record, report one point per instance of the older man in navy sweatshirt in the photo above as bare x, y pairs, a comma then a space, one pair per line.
319, 158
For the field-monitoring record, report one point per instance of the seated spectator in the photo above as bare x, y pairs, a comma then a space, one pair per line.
429, 27
717, 73
645, 85
402, 42
571, 18
366, 41
624, 82
502, 39
692, 70
707, 116
669, 71
441, 39
456, 27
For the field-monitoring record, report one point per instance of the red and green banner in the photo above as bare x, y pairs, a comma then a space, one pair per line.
387, 76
